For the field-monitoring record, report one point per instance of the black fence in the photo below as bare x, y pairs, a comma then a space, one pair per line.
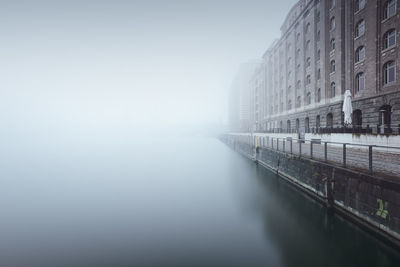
378, 129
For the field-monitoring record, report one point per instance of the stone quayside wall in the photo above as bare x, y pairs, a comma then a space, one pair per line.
369, 200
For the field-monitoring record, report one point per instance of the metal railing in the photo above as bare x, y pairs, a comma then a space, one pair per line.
369, 158
377, 129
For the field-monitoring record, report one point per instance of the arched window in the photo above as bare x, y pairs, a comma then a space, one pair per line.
308, 98
333, 66
332, 3
298, 86
390, 9
357, 118
289, 75
318, 54
308, 28
360, 53
297, 124
308, 79
389, 72
289, 61
333, 89
389, 38
332, 23
289, 105
298, 37
318, 96
318, 36
298, 102
360, 81
319, 74
289, 90
308, 45
288, 126
307, 124
332, 44
385, 116
298, 53
329, 120
360, 4
360, 28
308, 62
318, 121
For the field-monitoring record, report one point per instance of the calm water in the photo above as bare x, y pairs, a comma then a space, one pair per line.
105, 201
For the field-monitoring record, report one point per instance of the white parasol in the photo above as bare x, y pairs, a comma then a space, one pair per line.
347, 108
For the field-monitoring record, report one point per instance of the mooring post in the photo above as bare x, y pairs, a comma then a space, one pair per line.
277, 144
311, 149
291, 146
344, 155
370, 159
326, 151
299, 148
272, 143
283, 144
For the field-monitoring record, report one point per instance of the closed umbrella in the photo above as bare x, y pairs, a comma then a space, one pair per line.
347, 107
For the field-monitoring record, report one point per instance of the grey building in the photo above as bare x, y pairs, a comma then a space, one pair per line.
326, 47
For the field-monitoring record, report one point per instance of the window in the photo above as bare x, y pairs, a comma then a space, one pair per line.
319, 74
308, 62
333, 66
360, 28
308, 98
318, 121
289, 75
318, 36
333, 89
390, 9
389, 72
360, 4
288, 124
357, 118
289, 90
332, 44
298, 68
308, 79
307, 124
317, 17
308, 45
298, 102
308, 28
360, 54
298, 37
289, 61
298, 85
318, 96
318, 54
360, 81
333, 23
329, 120
389, 38
289, 105
298, 53
332, 3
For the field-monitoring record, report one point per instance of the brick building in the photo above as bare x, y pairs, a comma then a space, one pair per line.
326, 47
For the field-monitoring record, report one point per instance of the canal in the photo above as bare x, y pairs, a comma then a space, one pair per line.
163, 201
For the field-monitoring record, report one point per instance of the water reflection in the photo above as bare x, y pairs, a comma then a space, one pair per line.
123, 201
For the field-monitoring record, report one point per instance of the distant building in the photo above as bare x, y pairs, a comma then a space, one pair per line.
326, 47
240, 97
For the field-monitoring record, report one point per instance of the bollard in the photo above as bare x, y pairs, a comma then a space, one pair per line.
300, 148
277, 144
284, 150
311, 149
291, 146
344, 155
326, 151
370, 158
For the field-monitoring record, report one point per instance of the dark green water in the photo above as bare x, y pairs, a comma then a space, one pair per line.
104, 201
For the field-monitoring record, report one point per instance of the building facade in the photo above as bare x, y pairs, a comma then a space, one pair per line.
325, 48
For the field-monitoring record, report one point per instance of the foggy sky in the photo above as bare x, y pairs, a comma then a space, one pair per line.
141, 63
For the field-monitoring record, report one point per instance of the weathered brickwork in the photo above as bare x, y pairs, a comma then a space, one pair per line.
325, 48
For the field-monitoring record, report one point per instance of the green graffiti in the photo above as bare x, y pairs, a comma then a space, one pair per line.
381, 212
